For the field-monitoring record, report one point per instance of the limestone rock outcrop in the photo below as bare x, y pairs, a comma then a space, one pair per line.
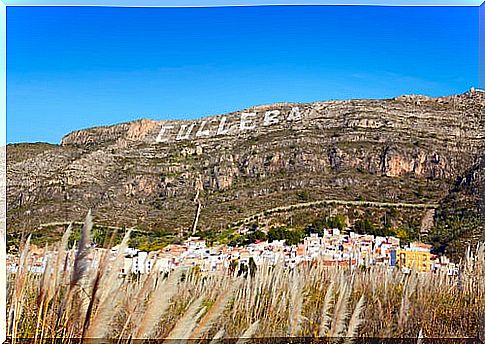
146, 173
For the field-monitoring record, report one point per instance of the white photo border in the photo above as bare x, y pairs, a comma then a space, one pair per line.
170, 3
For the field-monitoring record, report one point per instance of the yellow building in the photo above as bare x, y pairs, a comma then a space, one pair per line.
417, 257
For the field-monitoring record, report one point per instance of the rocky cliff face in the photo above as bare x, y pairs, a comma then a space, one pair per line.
146, 173
460, 218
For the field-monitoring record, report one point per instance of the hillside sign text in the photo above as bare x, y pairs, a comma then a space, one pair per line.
225, 125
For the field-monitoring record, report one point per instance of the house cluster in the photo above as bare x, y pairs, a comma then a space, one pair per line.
36, 260
331, 248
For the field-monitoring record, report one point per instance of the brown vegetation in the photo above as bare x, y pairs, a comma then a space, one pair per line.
73, 299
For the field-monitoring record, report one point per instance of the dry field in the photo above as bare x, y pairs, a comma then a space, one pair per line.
72, 300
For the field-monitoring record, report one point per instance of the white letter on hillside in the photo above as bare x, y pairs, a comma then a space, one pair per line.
271, 117
181, 135
162, 132
294, 114
221, 130
245, 120
201, 131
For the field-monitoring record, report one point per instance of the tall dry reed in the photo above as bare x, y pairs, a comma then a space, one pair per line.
82, 295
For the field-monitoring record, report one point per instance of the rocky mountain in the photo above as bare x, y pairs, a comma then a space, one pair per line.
153, 174
459, 220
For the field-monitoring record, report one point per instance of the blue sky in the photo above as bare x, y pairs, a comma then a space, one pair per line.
76, 67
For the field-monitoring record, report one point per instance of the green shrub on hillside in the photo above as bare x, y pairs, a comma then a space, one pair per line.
291, 236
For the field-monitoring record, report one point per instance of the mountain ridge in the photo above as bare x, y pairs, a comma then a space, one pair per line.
130, 128
405, 149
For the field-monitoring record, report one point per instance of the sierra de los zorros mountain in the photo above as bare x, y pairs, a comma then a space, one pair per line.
153, 174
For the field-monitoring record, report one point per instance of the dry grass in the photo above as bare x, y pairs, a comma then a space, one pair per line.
74, 299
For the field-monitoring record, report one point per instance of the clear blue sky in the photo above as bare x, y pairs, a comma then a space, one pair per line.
76, 67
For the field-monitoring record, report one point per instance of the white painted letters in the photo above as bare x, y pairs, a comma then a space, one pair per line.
294, 114
271, 117
246, 120
226, 125
201, 131
162, 132
185, 136
221, 130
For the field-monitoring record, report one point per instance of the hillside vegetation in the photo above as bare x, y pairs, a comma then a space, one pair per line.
72, 299
406, 150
